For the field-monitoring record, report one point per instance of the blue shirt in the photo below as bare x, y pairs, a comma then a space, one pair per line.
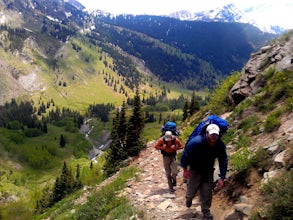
200, 156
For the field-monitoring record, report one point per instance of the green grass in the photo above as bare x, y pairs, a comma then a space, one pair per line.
106, 202
24, 174
152, 131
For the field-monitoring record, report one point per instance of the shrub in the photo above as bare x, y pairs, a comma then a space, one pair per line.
14, 125
242, 106
242, 160
105, 201
162, 107
17, 137
229, 135
262, 159
218, 99
279, 192
272, 122
243, 141
32, 132
248, 122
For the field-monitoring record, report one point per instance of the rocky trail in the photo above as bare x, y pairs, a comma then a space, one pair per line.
150, 193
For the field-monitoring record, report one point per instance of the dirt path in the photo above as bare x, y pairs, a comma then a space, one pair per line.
150, 193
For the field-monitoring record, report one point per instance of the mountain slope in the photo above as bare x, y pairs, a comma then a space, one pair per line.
224, 46
61, 49
259, 149
51, 56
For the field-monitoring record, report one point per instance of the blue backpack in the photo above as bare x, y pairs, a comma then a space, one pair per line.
170, 126
212, 119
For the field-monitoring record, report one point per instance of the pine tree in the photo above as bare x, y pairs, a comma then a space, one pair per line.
122, 124
117, 151
46, 201
64, 185
185, 110
62, 142
135, 127
78, 183
194, 106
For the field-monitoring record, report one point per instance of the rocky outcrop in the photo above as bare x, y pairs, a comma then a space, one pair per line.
277, 55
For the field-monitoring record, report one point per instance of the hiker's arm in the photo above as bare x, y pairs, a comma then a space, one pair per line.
160, 145
223, 162
178, 144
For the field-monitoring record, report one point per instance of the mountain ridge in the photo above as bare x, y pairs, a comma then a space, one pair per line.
44, 27
228, 13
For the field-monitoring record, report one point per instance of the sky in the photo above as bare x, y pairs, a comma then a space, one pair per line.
266, 12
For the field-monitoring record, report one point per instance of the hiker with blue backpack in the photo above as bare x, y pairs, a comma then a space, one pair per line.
169, 144
201, 150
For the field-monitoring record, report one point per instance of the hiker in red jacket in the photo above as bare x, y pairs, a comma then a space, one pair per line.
198, 160
169, 144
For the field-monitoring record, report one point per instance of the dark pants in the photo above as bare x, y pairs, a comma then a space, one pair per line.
171, 171
202, 183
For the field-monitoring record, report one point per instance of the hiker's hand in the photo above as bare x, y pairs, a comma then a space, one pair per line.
164, 147
173, 146
186, 173
220, 183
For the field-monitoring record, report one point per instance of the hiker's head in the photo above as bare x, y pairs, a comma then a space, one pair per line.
168, 135
213, 132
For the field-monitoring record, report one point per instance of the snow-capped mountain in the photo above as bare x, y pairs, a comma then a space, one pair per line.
227, 13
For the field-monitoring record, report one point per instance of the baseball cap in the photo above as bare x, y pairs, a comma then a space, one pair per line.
168, 135
213, 129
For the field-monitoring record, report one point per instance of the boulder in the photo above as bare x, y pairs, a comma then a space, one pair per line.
278, 55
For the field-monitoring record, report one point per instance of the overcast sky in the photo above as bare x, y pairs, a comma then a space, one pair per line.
267, 12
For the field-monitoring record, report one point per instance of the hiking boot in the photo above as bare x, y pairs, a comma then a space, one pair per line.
174, 182
208, 216
188, 203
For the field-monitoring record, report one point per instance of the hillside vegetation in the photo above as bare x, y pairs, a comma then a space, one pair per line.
260, 133
54, 50
73, 85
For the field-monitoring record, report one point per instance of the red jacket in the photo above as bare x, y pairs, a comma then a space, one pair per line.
170, 146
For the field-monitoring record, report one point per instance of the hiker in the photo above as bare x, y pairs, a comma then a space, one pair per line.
197, 162
169, 144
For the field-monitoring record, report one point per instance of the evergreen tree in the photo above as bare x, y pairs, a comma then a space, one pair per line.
62, 141
46, 201
117, 151
78, 183
185, 110
135, 127
64, 184
194, 105
122, 124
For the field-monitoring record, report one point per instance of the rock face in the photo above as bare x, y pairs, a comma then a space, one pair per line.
277, 55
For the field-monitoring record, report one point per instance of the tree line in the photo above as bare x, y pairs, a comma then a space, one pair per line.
23, 115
